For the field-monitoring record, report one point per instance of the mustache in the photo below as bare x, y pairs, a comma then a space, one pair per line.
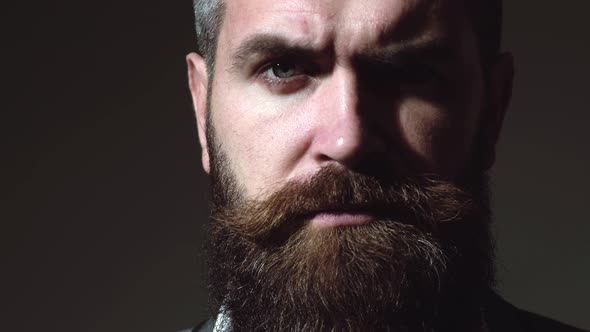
424, 202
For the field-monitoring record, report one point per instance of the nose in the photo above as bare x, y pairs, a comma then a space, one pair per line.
345, 134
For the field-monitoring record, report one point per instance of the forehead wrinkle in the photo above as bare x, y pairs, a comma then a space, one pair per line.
398, 23
418, 21
302, 22
344, 26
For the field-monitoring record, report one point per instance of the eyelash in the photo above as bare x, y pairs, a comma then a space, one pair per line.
411, 73
283, 85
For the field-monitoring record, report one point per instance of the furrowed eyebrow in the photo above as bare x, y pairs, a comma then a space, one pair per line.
262, 45
408, 52
396, 53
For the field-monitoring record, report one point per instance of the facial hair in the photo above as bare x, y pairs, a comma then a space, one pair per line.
423, 264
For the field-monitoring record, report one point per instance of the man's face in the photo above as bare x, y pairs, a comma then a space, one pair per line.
366, 85
334, 114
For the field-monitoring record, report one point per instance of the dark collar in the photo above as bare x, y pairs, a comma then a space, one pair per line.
499, 316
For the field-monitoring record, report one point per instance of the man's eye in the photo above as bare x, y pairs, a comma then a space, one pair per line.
284, 70
285, 77
422, 75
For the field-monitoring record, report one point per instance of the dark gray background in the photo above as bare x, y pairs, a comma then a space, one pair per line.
106, 201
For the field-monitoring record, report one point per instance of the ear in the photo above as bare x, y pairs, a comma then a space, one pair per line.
499, 93
198, 81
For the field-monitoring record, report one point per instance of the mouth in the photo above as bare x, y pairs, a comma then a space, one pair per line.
339, 219
344, 216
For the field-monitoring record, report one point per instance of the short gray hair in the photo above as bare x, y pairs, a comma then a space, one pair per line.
208, 20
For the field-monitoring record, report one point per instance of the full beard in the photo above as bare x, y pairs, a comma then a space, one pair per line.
423, 264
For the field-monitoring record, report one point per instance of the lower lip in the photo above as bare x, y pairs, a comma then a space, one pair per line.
340, 219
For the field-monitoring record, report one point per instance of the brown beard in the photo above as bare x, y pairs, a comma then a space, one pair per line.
423, 265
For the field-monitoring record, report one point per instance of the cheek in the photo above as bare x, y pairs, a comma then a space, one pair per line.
437, 138
263, 137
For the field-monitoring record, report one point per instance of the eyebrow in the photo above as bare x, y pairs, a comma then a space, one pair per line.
399, 52
416, 51
269, 45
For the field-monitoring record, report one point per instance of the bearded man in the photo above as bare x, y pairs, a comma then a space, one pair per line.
348, 144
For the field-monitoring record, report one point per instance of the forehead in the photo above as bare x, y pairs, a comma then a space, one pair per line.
346, 25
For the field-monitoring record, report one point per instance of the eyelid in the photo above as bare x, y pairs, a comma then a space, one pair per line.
407, 67
263, 73
306, 66
285, 86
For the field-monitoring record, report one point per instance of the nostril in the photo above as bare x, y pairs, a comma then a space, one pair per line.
323, 158
344, 144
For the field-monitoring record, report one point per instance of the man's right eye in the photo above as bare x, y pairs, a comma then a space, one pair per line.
284, 77
284, 70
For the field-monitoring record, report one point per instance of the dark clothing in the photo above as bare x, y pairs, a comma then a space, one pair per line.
500, 316
206, 326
